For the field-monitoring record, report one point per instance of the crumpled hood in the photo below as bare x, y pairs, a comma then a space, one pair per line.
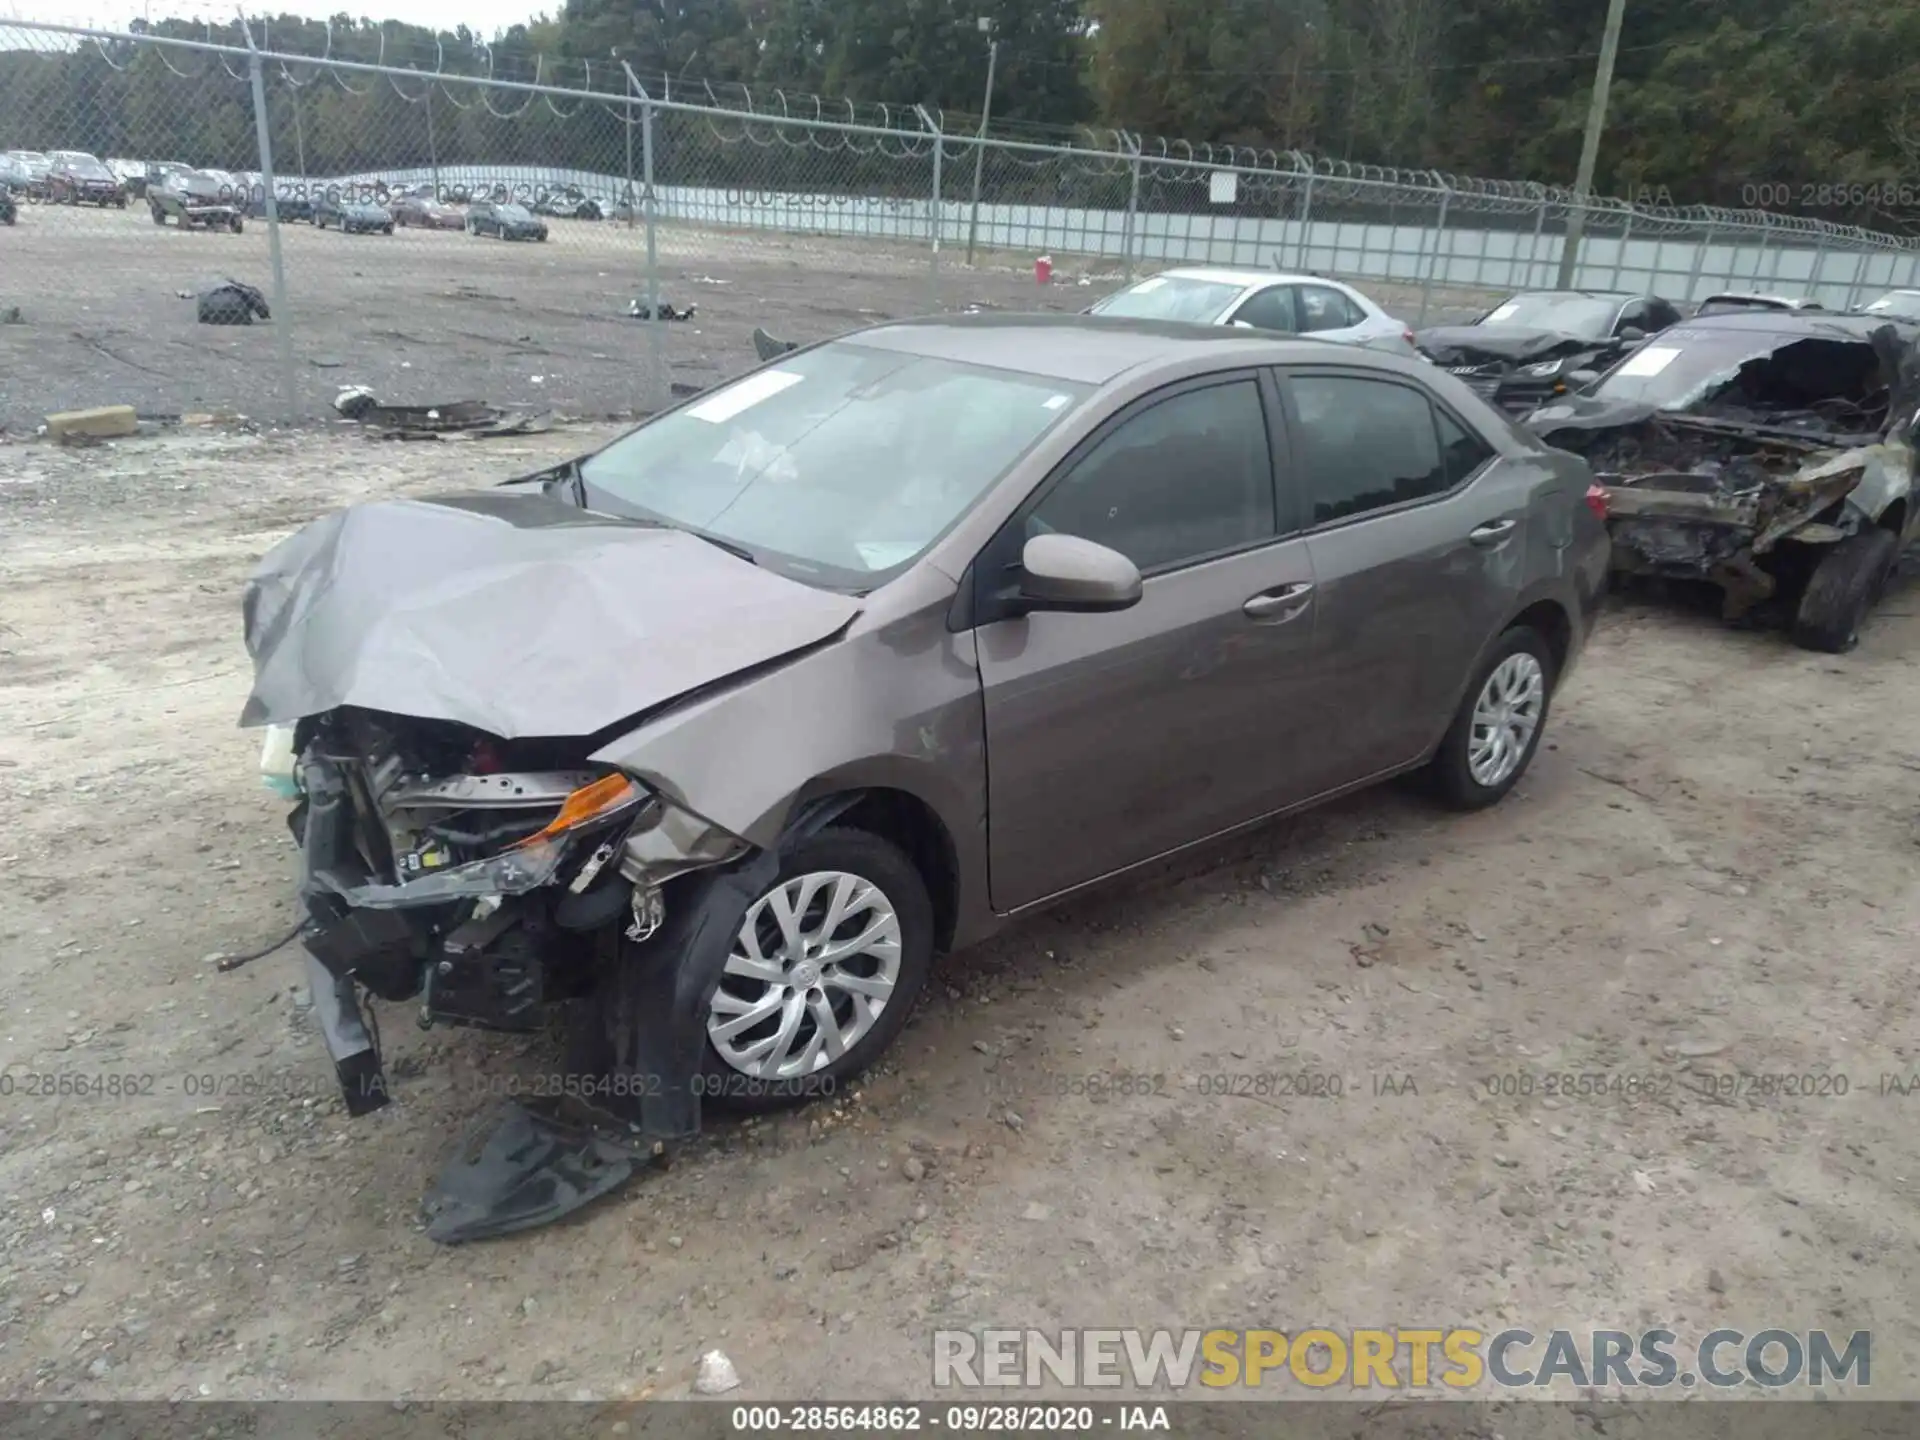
1586, 412
519, 615
1519, 345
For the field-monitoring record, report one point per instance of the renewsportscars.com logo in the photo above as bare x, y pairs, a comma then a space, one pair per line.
1394, 1359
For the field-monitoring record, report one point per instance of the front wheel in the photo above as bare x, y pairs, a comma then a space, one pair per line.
1497, 729
824, 969
1845, 586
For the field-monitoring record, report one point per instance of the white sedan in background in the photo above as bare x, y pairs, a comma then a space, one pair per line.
1262, 300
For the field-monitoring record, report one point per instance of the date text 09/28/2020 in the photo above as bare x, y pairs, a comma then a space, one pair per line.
954, 1419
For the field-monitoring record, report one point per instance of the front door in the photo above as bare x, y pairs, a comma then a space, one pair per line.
1114, 738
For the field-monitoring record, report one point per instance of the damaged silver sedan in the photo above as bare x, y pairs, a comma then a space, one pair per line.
1771, 454
705, 744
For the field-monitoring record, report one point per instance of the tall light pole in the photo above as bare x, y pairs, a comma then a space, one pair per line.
1590, 146
980, 145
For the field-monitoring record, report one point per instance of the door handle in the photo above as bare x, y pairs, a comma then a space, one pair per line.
1492, 533
1283, 604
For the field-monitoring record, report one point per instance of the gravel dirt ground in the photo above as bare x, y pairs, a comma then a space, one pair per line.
1708, 879
424, 317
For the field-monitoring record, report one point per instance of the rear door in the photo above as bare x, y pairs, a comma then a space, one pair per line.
1327, 314
1417, 558
1114, 738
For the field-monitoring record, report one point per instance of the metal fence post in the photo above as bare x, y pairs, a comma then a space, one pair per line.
1533, 245
1859, 271
1699, 262
282, 321
658, 390
1620, 254
1132, 224
933, 210
1433, 259
631, 197
1300, 252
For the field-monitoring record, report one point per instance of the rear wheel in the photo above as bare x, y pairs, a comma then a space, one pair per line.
159, 215
822, 974
237, 225
1497, 729
1845, 586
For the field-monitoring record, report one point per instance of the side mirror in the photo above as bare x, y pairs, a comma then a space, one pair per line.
1064, 572
1581, 379
1241, 324
1633, 334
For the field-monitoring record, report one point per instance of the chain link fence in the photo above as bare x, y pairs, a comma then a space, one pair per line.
599, 249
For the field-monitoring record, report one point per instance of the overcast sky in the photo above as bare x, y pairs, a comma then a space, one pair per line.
485, 16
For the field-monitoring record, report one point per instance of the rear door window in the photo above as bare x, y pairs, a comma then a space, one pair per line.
1362, 444
1271, 309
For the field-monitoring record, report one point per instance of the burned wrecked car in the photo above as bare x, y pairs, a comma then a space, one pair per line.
1767, 452
705, 743
1541, 343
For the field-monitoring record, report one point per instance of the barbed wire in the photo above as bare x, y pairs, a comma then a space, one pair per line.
792, 120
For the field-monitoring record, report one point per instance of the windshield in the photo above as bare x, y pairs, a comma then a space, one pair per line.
1764, 375
838, 466
1728, 304
88, 170
1897, 305
512, 212
1170, 297
1580, 315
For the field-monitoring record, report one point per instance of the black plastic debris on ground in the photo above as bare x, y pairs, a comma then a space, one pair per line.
231, 302
768, 348
529, 1171
639, 310
456, 420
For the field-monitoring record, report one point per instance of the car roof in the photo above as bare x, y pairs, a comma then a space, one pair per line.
1229, 275
1583, 294
1091, 349
1804, 324
1761, 297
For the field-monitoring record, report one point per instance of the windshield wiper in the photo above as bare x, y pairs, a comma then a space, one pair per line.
640, 515
730, 546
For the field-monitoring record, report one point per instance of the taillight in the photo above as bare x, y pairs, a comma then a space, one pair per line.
1597, 500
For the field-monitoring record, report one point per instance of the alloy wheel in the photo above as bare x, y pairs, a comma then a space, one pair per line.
1505, 717
812, 968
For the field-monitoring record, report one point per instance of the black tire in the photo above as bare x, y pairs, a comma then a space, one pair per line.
387, 230
238, 225
1845, 586
880, 862
1449, 774
159, 215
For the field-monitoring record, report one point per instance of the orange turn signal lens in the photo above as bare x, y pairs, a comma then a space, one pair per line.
607, 794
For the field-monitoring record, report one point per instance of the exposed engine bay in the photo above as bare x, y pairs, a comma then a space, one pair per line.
1800, 446
494, 882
